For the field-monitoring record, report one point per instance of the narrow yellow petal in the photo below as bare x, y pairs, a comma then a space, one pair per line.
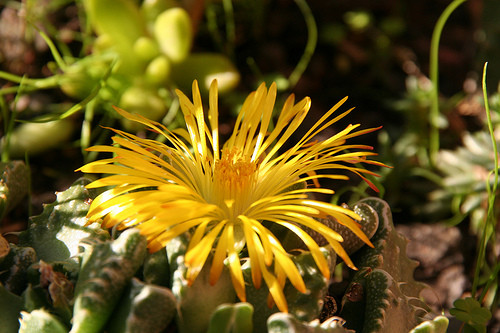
219, 256
275, 289
311, 244
195, 258
282, 259
255, 252
235, 265
213, 118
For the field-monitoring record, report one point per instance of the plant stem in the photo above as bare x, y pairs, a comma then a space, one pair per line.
433, 76
491, 192
312, 39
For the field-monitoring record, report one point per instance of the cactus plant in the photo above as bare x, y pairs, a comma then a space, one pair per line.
387, 296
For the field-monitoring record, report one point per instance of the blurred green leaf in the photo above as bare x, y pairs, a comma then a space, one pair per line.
470, 311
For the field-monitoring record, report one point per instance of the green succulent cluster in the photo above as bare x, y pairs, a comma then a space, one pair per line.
151, 45
63, 276
466, 171
134, 56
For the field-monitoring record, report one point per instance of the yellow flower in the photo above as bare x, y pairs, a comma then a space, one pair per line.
223, 195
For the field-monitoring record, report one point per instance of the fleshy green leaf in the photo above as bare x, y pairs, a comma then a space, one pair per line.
437, 325
56, 233
172, 30
198, 301
143, 308
41, 321
232, 318
10, 306
284, 322
205, 67
106, 270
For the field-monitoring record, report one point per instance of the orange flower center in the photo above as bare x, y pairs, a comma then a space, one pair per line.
234, 180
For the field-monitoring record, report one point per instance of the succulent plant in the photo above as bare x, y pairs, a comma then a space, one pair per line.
383, 291
466, 173
72, 278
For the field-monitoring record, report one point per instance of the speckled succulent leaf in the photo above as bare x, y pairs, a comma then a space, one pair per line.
56, 233
143, 308
258, 299
369, 224
40, 321
232, 318
385, 276
14, 180
176, 249
104, 274
305, 307
437, 325
156, 269
35, 297
389, 309
10, 306
195, 314
15, 266
284, 322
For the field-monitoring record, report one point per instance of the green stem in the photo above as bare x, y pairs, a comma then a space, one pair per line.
312, 39
433, 75
10, 120
491, 192
86, 127
53, 49
230, 26
41, 83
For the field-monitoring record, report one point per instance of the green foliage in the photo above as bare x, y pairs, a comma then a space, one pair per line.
36, 138
437, 325
470, 311
232, 318
283, 322
131, 64
55, 234
40, 321
194, 316
10, 307
304, 307
143, 308
107, 268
